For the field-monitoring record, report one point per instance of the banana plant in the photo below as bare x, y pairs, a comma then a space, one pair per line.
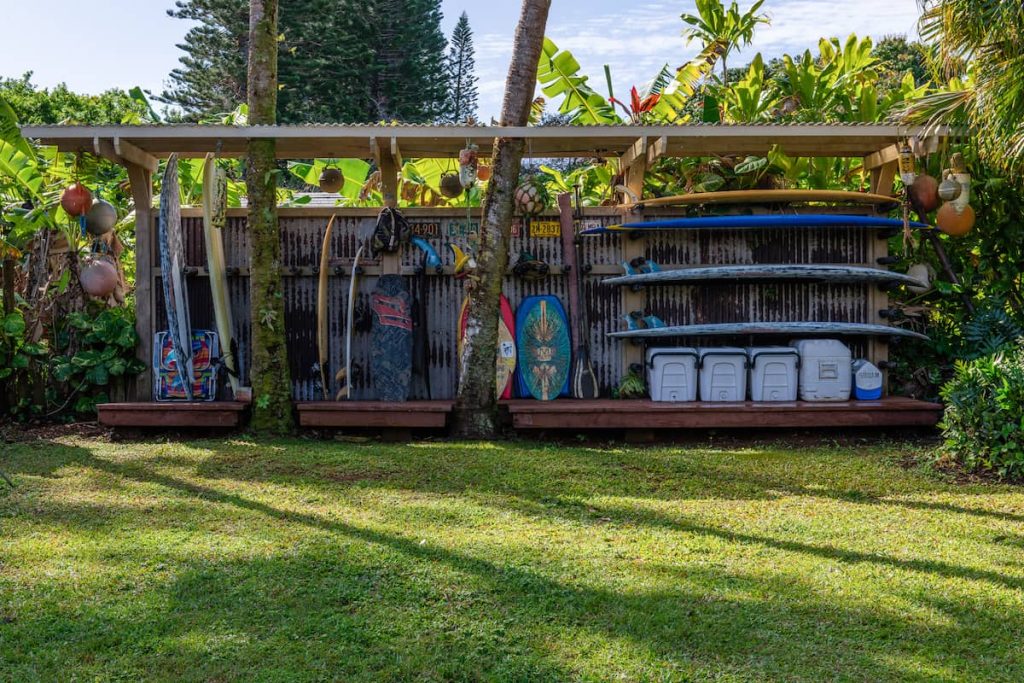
722, 27
559, 76
754, 98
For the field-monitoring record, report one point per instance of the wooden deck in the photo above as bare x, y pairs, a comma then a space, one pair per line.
173, 415
375, 414
645, 415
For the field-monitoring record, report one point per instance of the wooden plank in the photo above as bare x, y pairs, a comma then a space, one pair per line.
882, 157
170, 415
656, 150
375, 414
698, 415
133, 155
882, 179
389, 169
141, 182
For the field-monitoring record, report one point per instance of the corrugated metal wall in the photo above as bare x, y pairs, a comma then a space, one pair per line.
302, 236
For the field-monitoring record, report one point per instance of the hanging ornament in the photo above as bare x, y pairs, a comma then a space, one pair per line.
924, 194
331, 180
963, 178
953, 221
76, 200
101, 219
906, 164
468, 165
949, 188
923, 273
451, 185
529, 198
483, 173
98, 276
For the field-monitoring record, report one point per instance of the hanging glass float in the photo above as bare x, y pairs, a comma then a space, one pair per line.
451, 185
530, 198
101, 219
98, 276
331, 180
924, 194
469, 163
949, 188
76, 200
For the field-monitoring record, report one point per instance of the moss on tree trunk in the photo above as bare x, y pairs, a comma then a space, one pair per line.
476, 406
271, 383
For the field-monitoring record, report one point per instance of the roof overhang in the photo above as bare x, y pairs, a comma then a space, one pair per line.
418, 141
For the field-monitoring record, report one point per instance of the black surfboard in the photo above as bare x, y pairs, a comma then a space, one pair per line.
391, 362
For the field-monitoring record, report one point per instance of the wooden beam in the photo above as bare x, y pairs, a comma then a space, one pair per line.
133, 154
396, 153
657, 149
882, 178
388, 167
141, 181
881, 157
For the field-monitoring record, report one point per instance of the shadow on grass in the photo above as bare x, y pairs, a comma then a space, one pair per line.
359, 604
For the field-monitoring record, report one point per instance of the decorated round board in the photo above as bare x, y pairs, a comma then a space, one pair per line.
544, 347
505, 364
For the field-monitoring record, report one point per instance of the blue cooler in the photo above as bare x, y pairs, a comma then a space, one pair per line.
867, 381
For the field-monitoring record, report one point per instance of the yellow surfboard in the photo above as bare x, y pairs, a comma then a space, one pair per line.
770, 197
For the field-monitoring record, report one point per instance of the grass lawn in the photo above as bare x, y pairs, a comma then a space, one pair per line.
302, 560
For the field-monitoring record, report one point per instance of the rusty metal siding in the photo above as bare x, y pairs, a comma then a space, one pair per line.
302, 238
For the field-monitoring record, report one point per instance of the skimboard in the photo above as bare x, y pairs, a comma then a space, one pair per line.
322, 294
172, 268
772, 197
391, 361
787, 328
350, 321
772, 220
215, 206
759, 273
505, 362
544, 348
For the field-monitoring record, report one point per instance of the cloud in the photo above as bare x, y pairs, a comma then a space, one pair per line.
636, 41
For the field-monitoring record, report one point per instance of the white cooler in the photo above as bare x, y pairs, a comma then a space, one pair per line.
824, 370
773, 373
672, 374
723, 374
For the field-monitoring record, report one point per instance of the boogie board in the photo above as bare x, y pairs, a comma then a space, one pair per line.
505, 362
771, 220
391, 362
215, 205
772, 197
544, 348
790, 328
778, 272
172, 267
169, 385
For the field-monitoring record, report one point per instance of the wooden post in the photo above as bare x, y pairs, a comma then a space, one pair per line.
883, 167
141, 181
634, 162
388, 161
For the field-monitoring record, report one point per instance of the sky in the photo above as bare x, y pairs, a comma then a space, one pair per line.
124, 43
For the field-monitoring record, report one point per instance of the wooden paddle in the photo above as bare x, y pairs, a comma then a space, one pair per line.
583, 380
321, 308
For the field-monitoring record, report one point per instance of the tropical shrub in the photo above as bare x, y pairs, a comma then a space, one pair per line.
984, 420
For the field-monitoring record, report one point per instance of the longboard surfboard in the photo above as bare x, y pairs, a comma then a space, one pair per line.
802, 220
172, 266
772, 197
391, 360
215, 204
544, 347
350, 321
322, 294
787, 328
505, 362
778, 272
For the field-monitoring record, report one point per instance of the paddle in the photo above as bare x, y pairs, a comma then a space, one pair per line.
583, 380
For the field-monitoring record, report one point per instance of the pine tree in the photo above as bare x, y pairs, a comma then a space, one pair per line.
341, 61
461, 69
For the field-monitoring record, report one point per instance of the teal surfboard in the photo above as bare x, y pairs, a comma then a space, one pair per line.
543, 347
804, 220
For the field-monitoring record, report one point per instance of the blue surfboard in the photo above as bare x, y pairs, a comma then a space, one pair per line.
543, 347
804, 220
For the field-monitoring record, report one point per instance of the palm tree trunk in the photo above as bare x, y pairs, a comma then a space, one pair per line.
476, 413
271, 384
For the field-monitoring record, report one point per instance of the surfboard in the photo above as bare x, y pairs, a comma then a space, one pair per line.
505, 361
215, 205
391, 360
773, 220
782, 328
544, 348
778, 272
322, 341
172, 268
772, 197
350, 321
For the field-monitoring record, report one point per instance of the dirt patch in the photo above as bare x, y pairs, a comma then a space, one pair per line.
48, 431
